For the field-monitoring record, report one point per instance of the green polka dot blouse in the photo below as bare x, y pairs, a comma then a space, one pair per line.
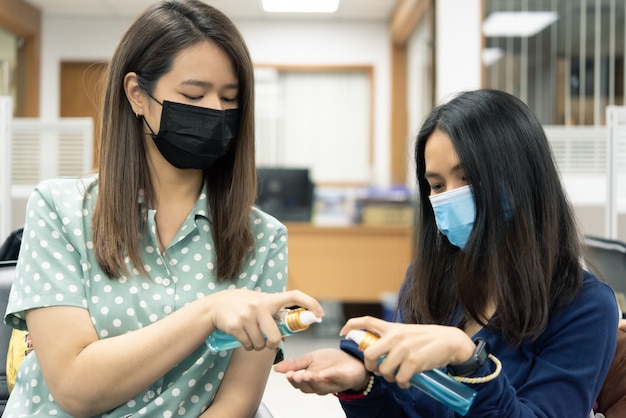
57, 267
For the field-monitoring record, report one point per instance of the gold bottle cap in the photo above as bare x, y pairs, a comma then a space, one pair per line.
363, 338
300, 319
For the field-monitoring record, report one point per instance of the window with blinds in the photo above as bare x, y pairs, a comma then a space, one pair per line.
564, 58
44, 149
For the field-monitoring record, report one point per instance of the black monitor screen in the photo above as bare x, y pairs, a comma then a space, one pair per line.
285, 193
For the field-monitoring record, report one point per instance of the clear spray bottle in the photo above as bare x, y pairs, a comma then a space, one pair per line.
289, 321
434, 383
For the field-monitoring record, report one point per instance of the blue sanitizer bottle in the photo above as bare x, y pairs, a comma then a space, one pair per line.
435, 383
289, 321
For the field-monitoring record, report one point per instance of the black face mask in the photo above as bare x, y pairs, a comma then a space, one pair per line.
194, 137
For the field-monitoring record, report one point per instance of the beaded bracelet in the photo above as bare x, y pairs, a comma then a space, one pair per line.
347, 396
484, 379
370, 385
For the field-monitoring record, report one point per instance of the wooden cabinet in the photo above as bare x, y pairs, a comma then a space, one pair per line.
348, 264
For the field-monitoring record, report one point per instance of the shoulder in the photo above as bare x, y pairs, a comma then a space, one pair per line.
594, 307
596, 293
69, 190
263, 222
595, 298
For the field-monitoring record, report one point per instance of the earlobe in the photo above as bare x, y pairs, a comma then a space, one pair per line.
134, 94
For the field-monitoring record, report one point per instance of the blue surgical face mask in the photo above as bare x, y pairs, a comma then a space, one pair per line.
455, 212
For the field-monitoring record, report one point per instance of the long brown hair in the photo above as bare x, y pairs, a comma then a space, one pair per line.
524, 250
148, 48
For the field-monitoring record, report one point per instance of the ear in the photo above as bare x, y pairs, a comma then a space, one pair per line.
135, 95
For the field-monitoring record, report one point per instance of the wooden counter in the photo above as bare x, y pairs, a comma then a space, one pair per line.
348, 264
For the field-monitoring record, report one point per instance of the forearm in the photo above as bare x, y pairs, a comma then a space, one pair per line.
88, 376
106, 373
242, 388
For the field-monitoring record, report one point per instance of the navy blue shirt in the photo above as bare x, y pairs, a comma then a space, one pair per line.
557, 375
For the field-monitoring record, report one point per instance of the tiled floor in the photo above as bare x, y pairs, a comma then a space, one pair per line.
284, 401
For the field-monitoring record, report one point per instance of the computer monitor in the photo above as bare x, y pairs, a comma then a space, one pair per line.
285, 193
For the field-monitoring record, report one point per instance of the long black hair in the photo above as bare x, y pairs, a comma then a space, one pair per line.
524, 250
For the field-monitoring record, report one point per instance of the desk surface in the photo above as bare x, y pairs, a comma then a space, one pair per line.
349, 264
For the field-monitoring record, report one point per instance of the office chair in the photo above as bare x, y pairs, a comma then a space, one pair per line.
606, 258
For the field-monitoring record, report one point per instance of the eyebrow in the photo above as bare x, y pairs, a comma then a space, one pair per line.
200, 83
430, 174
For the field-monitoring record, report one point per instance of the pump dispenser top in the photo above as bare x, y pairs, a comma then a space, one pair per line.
297, 319
363, 338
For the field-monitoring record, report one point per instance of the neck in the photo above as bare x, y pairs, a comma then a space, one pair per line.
175, 197
179, 187
471, 327
170, 183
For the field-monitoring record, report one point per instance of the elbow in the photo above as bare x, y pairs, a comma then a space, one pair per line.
77, 406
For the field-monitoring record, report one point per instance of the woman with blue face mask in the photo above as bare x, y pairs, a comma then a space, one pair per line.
496, 295
122, 275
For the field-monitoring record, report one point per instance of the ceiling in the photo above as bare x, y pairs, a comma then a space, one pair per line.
349, 10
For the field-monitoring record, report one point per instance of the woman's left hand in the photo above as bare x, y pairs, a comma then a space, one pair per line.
411, 348
324, 371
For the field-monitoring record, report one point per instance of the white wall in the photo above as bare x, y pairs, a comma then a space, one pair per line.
72, 39
459, 46
278, 42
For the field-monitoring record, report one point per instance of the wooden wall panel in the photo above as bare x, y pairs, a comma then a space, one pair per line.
399, 114
82, 94
405, 19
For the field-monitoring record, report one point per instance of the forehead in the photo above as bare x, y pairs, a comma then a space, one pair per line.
439, 153
203, 61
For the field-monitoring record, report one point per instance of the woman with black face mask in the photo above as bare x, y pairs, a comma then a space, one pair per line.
124, 274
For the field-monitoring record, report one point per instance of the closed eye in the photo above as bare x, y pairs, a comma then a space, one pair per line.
193, 98
230, 100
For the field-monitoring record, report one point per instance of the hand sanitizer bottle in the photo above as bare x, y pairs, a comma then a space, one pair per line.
289, 321
434, 383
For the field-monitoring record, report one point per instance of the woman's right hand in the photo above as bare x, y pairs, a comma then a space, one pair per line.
324, 371
247, 315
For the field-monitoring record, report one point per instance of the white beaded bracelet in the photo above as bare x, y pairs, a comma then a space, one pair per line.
350, 395
370, 385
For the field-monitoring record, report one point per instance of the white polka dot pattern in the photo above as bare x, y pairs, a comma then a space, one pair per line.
57, 267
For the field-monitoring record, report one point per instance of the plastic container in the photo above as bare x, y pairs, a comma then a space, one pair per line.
289, 321
435, 383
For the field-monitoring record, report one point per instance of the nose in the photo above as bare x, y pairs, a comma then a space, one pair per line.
455, 185
212, 101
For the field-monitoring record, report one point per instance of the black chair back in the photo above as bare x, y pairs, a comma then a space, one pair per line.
606, 258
